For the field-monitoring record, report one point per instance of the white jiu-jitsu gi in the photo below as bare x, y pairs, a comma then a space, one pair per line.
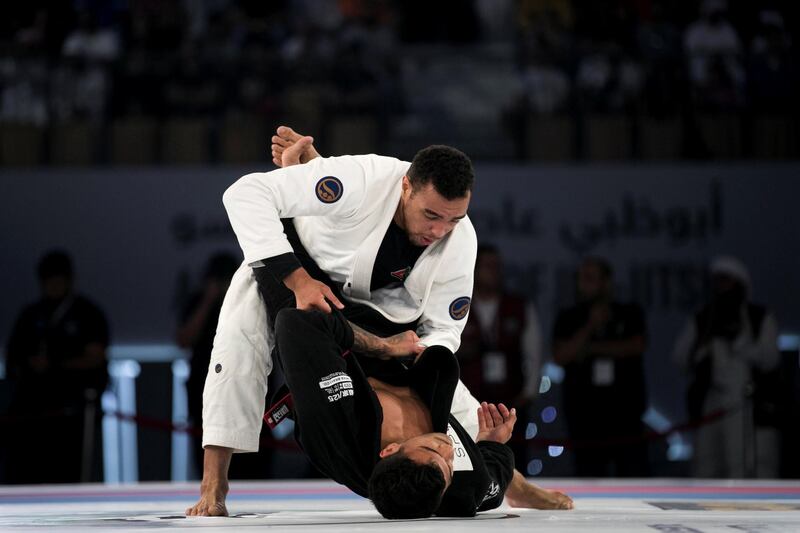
342, 207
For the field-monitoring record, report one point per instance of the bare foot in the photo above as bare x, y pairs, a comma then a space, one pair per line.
542, 499
291, 148
523, 493
212, 500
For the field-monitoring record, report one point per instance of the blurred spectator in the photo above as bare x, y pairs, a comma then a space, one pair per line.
659, 43
56, 362
772, 71
196, 332
608, 80
600, 343
23, 88
82, 82
193, 89
91, 42
722, 348
496, 19
546, 87
501, 346
714, 54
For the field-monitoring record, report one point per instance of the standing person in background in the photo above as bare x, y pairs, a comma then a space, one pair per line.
724, 348
56, 362
600, 343
501, 346
196, 333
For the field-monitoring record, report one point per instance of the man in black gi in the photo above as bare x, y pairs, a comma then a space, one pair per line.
375, 434
373, 424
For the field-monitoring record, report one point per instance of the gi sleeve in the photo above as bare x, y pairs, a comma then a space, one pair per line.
332, 187
447, 309
499, 461
761, 352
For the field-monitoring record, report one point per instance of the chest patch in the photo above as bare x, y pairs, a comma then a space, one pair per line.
329, 189
401, 274
336, 386
461, 460
459, 307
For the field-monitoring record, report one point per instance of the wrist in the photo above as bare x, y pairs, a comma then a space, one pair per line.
296, 278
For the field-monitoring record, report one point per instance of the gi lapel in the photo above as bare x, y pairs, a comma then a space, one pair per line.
368, 250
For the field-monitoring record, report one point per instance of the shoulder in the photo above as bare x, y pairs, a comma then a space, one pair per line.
463, 238
372, 164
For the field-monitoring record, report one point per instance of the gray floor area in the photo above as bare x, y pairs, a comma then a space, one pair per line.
601, 506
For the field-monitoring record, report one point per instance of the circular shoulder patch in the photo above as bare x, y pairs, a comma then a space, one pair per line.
329, 189
459, 308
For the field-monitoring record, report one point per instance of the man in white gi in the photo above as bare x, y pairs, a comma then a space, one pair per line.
346, 210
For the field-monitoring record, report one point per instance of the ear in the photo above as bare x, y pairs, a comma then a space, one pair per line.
390, 449
406, 184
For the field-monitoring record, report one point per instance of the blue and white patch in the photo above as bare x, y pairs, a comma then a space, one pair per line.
329, 189
459, 307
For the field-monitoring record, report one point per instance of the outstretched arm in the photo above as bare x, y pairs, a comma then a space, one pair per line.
400, 345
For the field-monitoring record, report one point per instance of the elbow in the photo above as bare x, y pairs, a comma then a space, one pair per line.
231, 194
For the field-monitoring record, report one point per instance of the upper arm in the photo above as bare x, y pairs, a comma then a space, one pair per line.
331, 187
447, 309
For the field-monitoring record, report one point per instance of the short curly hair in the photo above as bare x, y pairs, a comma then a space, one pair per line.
401, 488
449, 169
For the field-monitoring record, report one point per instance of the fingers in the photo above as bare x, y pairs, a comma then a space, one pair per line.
322, 305
293, 155
281, 142
331, 298
285, 137
482, 424
503, 410
497, 418
413, 340
487, 415
316, 303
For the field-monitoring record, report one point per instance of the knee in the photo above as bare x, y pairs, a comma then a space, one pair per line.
291, 319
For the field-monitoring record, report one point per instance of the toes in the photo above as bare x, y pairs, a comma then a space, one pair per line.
288, 133
281, 141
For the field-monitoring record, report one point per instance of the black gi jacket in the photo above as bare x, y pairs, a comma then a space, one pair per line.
338, 416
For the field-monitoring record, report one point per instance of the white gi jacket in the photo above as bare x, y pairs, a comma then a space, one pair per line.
342, 207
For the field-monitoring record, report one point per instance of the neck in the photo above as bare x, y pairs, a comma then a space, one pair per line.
404, 414
399, 215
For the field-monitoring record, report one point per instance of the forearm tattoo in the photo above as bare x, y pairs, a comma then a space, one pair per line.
368, 344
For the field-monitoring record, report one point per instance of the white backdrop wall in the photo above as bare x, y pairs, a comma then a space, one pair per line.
140, 238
